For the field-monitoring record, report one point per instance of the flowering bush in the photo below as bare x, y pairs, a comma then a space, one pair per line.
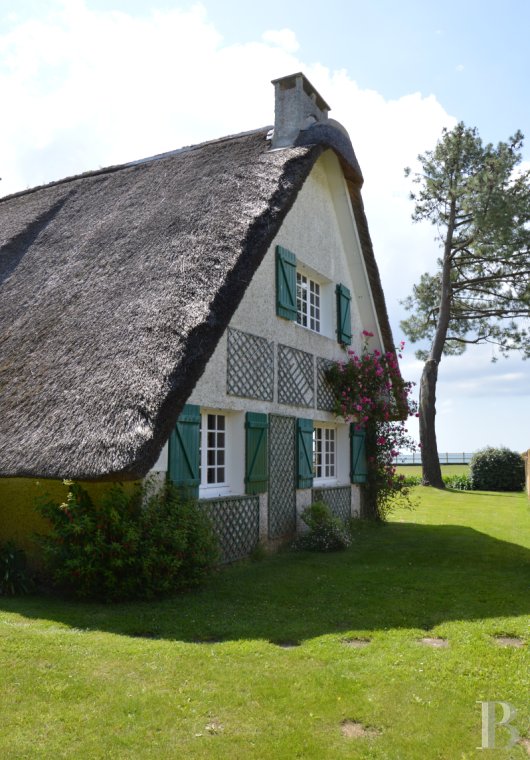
371, 393
129, 546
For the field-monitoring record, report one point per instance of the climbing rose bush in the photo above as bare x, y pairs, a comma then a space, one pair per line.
371, 393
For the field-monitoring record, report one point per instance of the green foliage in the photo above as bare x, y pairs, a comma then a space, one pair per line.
459, 482
478, 199
138, 544
14, 578
326, 533
495, 469
370, 392
480, 205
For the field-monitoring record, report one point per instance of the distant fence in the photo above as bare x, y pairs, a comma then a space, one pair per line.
447, 458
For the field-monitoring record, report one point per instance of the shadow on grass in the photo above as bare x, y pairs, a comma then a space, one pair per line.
400, 575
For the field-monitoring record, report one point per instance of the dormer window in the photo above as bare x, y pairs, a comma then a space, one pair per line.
307, 302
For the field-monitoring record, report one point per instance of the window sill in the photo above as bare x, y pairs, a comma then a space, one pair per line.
323, 482
313, 332
213, 492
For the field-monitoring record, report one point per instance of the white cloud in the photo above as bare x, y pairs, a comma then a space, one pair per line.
282, 38
85, 88
91, 88
460, 67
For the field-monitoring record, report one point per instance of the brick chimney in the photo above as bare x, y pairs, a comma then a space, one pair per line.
297, 105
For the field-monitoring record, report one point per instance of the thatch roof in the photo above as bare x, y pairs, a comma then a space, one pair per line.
116, 285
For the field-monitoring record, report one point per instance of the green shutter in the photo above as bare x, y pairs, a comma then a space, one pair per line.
343, 315
285, 283
184, 450
256, 461
304, 447
358, 466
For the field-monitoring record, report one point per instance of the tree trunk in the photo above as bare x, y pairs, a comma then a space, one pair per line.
431, 471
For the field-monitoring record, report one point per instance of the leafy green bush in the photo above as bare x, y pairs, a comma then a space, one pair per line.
497, 470
14, 578
460, 482
131, 545
326, 533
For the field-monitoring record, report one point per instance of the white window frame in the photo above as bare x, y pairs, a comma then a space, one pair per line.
308, 301
325, 438
220, 440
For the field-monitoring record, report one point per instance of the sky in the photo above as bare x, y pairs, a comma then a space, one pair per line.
90, 83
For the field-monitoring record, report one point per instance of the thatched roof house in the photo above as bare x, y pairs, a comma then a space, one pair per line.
117, 285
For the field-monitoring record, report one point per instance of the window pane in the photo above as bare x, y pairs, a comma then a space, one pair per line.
324, 453
214, 456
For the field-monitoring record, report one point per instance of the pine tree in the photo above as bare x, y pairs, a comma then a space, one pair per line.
479, 201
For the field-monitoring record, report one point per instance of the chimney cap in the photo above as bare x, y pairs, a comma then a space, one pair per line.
300, 79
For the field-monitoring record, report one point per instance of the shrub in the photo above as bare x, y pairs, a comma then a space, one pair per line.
14, 578
460, 482
129, 546
497, 470
178, 547
326, 533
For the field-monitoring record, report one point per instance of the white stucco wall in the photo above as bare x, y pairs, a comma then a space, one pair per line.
320, 230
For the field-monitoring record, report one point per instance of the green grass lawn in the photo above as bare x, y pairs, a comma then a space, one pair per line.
256, 665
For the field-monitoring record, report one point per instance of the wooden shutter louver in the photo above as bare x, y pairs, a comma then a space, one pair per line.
304, 446
358, 463
285, 283
343, 315
256, 452
184, 450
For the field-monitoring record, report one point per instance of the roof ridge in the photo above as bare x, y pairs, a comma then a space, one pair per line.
130, 164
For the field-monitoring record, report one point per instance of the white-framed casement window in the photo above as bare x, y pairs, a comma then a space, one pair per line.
324, 453
213, 455
307, 302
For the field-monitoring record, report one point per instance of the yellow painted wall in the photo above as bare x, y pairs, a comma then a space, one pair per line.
19, 520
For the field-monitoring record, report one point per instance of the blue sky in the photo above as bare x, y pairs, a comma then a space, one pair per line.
88, 84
